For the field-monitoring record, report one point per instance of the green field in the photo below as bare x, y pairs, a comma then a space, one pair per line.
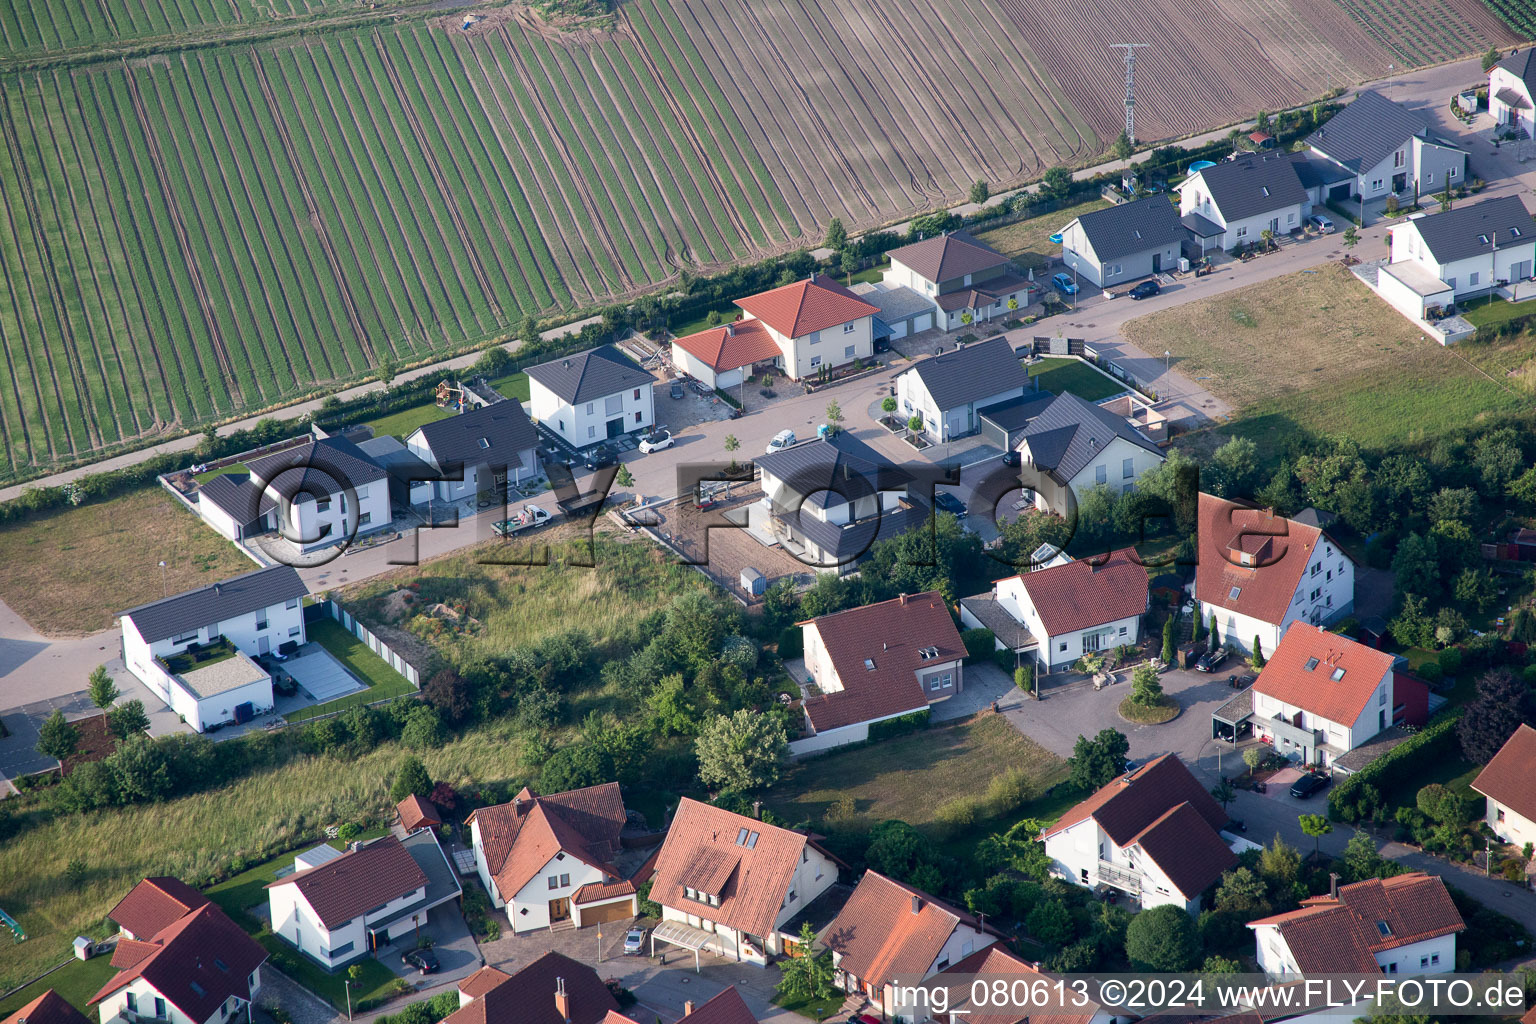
1029, 241
1059, 374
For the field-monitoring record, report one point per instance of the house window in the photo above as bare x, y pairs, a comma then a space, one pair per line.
1290, 218
690, 892
293, 630
261, 622
323, 505
1451, 173
1063, 648
133, 1003
1398, 158
343, 504
848, 352
848, 328
1315, 593
1316, 568
1500, 816
791, 897
591, 431
1450, 282
364, 519
815, 360
1381, 697
1090, 642
589, 408
637, 417
1472, 279
184, 638
933, 682
1423, 961
1127, 469
1434, 958
1376, 185
341, 950
291, 605
637, 394
325, 531
1122, 631
554, 881
1429, 178
159, 1008
1100, 474
1242, 232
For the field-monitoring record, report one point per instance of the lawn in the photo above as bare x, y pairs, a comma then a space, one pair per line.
810, 1007
1061, 374
1317, 353
1029, 241
873, 275
1493, 310
76, 982
726, 310
70, 572
383, 681
513, 386
403, 423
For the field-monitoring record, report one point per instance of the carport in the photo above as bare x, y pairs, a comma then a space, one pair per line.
686, 936
1233, 721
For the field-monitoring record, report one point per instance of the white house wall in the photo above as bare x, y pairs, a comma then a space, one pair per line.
692, 365
482, 869
813, 876
1503, 78
1319, 599
1511, 261
588, 424
1514, 828
144, 995
1431, 956
305, 518
295, 922
529, 908
836, 346
1066, 648
1112, 461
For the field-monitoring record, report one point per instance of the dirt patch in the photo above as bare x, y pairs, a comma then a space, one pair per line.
96, 742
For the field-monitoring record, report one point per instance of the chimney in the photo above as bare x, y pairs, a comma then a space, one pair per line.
903, 599
218, 588
917, 904
1333, 885
757, 809
730, 329
687, 1008
566, 364
562, 1001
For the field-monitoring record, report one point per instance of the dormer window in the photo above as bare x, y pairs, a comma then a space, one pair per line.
741, 837
869, 664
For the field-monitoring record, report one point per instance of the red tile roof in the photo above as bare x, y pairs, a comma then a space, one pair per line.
154, 903
358, 881
996, 962
796, 310
726, 1007
482, 981
1329, 935
892, 636
887, 929
1277, 549
417, 813
48, 1008
198, 962
519, 837
1341, 682
1508, 777
946, 257
731, 346
1082, 594
528, 997
593, 892
1186, 848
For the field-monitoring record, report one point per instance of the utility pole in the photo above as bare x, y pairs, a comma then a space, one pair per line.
1130, 86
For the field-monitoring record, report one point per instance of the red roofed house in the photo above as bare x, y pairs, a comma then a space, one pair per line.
727, 1007
889, 935
1401, 925
48, 1008
814, 324
727, 883
1154, 833
877, 662
550, 858
959, 275
195, 967
1260, 572
1508, 784
994, 964
554, 989
417, 814
721, 356
1321, 695
1061, 613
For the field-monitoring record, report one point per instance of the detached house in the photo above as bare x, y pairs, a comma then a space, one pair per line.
1387, 149
1507, 782
337, 907
1441, 258
959, 276
728, 883
48, 1008
1060, 613
1260, 572
994, 965
554, 989
1071, 445
1512, 91
727, 1007
1154, 833
877, 662
194, 650
592, 396
184, 961
724, 356
325, 492
888, 931
815, 324
1124, 242
1236, 201
548, 859
478, 450
1401, 925
950, 391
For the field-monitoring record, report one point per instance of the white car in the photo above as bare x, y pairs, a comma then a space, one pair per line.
634, 941
655, 441
783, 439
1321, 223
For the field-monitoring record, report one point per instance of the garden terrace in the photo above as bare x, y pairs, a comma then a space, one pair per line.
198, 656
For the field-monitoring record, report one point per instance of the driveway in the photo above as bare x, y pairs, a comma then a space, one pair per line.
457, 955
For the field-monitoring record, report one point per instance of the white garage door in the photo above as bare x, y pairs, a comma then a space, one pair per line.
898, 330
922, 323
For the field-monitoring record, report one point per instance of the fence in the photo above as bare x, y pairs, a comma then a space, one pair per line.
375, 644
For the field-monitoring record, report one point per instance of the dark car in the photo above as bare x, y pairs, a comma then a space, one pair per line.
1012, 459
1308, 784
1210, 660
946, 502
423, 959
1235, 825
677, 389
601, 456
1146, 290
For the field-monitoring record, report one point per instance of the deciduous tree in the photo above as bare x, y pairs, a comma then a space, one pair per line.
1316, 826
1161, 939
56, 738
103, 690
741, 752
1497, 711
1095, 763
128, 719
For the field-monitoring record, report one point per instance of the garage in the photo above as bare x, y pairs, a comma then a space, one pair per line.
924, 322
603, 913
603, 903
898, 330
1338, 192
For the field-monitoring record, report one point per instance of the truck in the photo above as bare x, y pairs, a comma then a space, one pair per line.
526, 519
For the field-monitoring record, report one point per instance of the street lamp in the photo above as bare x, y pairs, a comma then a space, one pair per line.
1167, 361
348, 983
163, 591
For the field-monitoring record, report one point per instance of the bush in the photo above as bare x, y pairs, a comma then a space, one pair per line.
899, 726
979, 643
1450, 661
791, 642
1431, 672
1438, 739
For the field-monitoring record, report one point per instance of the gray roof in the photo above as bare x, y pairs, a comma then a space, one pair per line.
1467, 231
496, 434
971, 373
1016, 413
948, 256
1069, 433
324, 466
1202, 227
1315, 171
896, 302
238, 595
1315, 517
590, 375
847, 542
1367, 131
1252, 185
1128, 228
237, 495
1522, 64
398, 461
840, 464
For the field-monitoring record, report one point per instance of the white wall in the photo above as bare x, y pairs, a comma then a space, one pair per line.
1320, 598
1077, 252
1431, 956
144, 996
1112, 461
1514, 828
1490, 268
835, 346
1404, 299
941, 424
529, 908
296, 921
1502, 78
696, 367
482, 869
588, 424
813, 876
1194, 197
304, 519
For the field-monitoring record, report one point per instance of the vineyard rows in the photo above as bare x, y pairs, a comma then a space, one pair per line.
1427, 31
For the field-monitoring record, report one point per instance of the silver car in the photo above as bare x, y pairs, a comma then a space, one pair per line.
634, 941
1321, 223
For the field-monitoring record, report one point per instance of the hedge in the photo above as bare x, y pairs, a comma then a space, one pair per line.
979, 643
892, 727
1438, 738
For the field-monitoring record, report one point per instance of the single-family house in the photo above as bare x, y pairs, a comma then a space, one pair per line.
1321, 695
1440, 258
815, 325
1154, 832
1387, 149
324, 492
890, 935
1060, 613
725, 1007
1512, 91
195, 967
728, 883
1259, 572
825, 501
995, 966
1072, 445
876, 662
548, 859
1507, 783
724, 356
592, 396
961, 277
337, 907
416, 814
48, 1008
554, 989
950, 390
1405, 925
903, 312
195, 650
480, 450
1236, 201
1123, 242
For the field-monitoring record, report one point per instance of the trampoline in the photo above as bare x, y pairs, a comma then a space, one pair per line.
321, 676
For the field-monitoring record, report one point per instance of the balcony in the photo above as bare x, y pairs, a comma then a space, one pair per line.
1119, 876
1282, 729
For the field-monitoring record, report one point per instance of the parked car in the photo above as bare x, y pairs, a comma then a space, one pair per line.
1308, 784
1012, 459
1235, 825
677, 389
947, 502
655, 441
422, 959
1210, 660
1321, 223
601, 456
1146, 290
1064, 283
1130, 766
783, 439
634, 941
